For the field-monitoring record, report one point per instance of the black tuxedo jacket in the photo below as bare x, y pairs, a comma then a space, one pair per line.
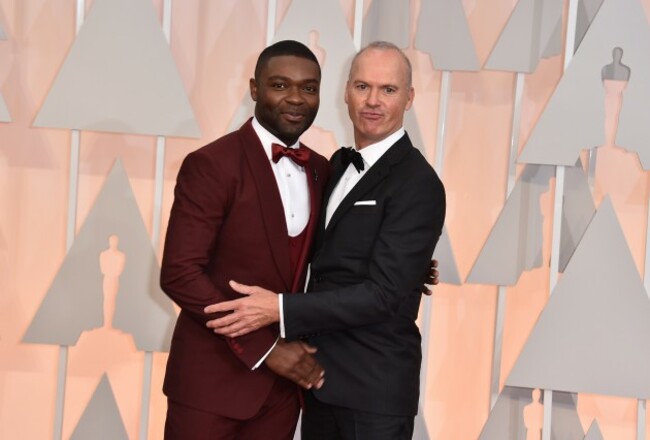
366, 273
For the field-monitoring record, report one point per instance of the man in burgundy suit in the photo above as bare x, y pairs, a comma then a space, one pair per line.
246, 207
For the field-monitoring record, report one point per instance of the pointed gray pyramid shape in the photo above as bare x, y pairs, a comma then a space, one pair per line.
506, 420
420, 431
326, 19
530, 33
101, 419
515, 241
587, 10
74, 301
387, 20
444, 34
120, 76
4, 111
444, 253
592, 335
594, 432
555, 43
578, 209
574, 118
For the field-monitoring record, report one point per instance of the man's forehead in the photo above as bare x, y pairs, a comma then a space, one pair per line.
289, 66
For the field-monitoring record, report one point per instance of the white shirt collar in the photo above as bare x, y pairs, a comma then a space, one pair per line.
373, 152
266, 138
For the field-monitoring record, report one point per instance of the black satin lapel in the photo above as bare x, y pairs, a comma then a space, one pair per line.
373, 177
270, 202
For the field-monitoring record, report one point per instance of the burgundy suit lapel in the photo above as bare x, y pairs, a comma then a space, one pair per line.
269, 199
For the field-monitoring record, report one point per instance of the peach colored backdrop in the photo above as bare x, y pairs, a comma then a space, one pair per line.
215, 44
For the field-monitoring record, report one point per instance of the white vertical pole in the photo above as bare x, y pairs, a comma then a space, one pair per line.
499, 318
641, 419
270, 20
569, 49
358, 22
155, 238
73, 188
641, 403
443, 104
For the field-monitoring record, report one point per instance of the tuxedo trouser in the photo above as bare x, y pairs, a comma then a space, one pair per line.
276, 419
322, 421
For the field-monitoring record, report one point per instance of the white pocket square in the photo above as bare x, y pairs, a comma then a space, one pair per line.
365, 203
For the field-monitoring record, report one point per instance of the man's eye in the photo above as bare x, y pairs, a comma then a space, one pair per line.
279, 86
311, 89
362, 86
389, 90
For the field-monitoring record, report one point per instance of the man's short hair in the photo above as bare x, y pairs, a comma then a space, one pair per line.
284, 48
387, 45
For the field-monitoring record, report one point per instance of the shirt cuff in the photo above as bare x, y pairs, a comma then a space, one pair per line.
265, 355
281, 310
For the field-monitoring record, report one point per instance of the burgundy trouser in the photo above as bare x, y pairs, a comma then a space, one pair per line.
276, 420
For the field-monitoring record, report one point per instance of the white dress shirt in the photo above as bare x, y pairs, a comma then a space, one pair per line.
294, 191
370, 154
292, 182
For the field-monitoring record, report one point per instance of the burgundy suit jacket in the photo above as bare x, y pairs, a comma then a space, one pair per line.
227, 223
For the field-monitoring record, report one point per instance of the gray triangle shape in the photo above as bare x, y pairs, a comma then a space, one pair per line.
74, 301
515, 241
420, 431
578, 209
120, 76
305, 19
4, 111
245, 110
576, 110
101, 419
587, 10
506, 419
594, 432
554, 44
387, 20
444, 253
592, 335
531, 31
443, 33
566, 423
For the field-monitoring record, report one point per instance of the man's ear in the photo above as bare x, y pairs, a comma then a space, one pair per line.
253, 87
345, 93
410, 98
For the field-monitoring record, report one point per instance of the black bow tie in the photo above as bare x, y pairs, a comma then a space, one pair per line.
351, 156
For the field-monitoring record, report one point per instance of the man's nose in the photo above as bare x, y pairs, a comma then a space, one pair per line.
372, 98
295, 95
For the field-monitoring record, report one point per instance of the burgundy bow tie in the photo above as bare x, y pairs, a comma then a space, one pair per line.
299, 155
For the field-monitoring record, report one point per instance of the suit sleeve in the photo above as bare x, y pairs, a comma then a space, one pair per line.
412, 223
202, 198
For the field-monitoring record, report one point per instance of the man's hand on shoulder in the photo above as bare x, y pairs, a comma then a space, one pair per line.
431, 278
295, 361
256, 310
